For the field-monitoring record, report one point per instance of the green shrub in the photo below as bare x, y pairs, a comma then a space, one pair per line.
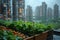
28, 28
8, 35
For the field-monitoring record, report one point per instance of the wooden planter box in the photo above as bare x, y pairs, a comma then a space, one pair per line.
30, 38
47, 35
42, 36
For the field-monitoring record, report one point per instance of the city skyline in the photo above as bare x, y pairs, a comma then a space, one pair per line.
15, 10
35, 3
44, 13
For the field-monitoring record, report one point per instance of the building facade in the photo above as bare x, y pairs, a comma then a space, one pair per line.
37, 13
44, 12
13, 9
56, 12
29, 13
49, 14
41, 15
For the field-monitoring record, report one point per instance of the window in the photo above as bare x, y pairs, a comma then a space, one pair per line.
20, 10
4, 5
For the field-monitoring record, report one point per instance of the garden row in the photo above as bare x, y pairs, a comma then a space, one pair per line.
33, 31
6, 34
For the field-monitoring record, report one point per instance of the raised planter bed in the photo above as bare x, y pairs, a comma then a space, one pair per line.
30, 38
14, 32
8, 35
42, 36
34, 31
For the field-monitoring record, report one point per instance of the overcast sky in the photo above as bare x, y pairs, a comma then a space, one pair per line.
34, 3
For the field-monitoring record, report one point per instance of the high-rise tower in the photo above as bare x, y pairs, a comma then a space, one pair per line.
13, 9
56, 12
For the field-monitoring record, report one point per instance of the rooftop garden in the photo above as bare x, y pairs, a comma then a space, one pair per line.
27, 28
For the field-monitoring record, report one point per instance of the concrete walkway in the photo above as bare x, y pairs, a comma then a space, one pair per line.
57, 35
